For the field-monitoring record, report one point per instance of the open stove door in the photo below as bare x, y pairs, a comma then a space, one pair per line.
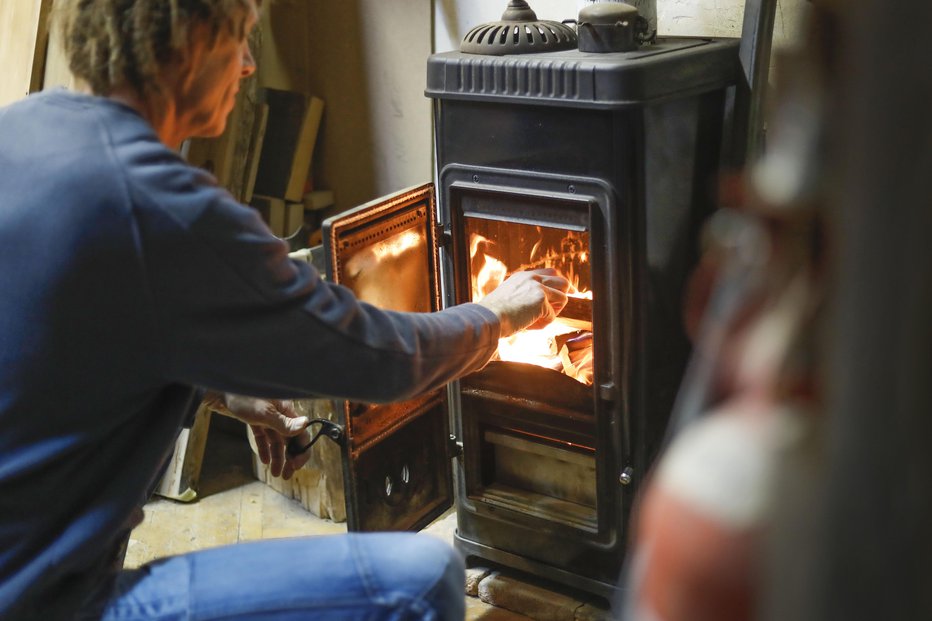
396, 464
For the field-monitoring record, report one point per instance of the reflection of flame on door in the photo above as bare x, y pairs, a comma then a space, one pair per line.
566, 344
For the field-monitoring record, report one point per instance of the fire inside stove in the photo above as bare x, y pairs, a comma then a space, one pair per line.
497, 249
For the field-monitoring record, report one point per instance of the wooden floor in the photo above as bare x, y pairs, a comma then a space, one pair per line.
233, 507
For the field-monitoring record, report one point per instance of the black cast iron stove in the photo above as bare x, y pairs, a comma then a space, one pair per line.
602, 165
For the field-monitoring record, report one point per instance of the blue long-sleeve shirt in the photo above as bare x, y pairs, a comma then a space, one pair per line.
128, 277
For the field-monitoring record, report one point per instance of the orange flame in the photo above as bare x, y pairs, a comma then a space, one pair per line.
491, 275
536, 346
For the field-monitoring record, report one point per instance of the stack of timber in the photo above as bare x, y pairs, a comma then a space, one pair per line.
281, 187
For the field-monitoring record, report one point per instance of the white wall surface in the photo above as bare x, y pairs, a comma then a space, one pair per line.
718, 18
396, 44
368, 61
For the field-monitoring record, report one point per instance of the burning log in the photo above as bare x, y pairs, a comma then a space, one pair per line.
578, 310
574, 351
573, 341
578, 363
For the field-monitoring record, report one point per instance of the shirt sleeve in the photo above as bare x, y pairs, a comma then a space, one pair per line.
235, 313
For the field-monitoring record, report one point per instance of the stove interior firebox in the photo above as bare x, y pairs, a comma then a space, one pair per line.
601, 165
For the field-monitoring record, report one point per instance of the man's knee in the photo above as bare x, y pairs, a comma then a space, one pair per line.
421, 568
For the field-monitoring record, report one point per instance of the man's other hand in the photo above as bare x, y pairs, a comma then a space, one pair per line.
272, 423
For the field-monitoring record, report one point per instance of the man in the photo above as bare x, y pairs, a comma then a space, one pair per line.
130, 284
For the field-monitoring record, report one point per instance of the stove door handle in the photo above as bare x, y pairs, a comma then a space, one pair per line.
328, 428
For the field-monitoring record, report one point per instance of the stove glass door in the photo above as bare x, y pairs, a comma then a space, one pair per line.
528, 422
396, 461
498, 249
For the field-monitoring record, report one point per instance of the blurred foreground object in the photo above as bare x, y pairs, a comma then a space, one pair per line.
751, 391
748, 399
851, 538
799, 482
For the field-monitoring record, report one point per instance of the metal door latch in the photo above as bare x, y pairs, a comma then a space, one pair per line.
455, 446
327, 428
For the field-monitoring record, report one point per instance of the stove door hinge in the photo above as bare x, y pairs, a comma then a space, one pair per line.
443, 236
454, 446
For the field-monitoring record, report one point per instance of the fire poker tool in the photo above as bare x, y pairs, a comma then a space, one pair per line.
327, 428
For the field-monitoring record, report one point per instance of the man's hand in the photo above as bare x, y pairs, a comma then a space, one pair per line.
530, 299
272, 422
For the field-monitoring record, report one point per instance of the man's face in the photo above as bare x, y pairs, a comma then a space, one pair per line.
206, 94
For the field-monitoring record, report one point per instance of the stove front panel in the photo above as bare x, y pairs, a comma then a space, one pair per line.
543, 430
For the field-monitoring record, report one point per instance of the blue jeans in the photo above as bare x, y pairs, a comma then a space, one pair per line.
390, 576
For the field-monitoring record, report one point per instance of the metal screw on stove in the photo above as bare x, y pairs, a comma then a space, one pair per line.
626, 476
475, 178
572, 189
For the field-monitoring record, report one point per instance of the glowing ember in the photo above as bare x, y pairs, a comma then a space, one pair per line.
554, 346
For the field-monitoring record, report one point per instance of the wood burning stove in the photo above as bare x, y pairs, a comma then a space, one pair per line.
601, 165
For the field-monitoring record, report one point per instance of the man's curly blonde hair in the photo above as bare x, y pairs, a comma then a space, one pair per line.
115, 43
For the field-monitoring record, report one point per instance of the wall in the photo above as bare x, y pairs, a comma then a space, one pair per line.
367, 60
723, 18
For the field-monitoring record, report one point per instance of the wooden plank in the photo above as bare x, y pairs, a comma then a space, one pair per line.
294, 218
56, 72
36, 82
255, 149
318, 199
304, 152
23, 38
290, 135
184, 470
